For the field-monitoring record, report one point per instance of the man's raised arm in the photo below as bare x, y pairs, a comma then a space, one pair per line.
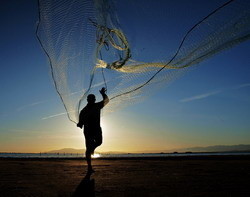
104, 96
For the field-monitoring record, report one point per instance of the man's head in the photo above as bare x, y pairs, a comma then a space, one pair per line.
91, 98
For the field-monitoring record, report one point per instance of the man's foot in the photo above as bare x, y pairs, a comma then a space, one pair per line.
90, 170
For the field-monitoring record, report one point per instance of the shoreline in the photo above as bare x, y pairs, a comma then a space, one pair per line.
187, 157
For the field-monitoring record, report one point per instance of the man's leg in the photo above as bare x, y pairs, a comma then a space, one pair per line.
88, 158
98, 140
89, 142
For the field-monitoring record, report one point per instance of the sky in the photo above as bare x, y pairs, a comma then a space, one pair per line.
209, 105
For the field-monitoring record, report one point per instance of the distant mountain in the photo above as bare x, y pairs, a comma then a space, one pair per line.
113, 152
68, 150
218, 148
81, 151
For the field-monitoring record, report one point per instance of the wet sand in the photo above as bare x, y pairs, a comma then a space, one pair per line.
181, 176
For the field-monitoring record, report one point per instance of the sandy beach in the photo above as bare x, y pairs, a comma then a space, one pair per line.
175, 176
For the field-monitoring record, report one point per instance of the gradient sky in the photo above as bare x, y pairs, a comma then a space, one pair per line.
210, 105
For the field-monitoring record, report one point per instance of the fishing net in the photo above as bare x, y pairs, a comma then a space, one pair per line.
128, 49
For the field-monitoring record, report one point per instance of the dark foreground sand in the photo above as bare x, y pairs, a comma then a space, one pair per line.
182, 176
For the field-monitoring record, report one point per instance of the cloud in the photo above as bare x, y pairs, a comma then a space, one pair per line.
53, 116
31, 105
208, 94
21, 108
244, 85
200, 96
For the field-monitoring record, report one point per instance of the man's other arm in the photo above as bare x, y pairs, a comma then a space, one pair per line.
81, 120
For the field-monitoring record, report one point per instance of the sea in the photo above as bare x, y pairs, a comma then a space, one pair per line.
128, 155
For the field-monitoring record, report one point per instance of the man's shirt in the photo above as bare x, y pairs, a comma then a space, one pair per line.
90, 115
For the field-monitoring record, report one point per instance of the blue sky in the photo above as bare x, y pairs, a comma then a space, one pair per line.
209, 105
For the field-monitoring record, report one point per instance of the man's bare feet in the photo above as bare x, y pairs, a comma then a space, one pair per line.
90, 170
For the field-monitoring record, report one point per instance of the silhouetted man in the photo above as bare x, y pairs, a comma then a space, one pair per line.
90, 118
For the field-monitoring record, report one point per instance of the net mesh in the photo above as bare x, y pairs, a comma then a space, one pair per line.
91, 44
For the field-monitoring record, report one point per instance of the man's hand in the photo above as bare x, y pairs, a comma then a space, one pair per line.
104, 96
103, 91
78, 125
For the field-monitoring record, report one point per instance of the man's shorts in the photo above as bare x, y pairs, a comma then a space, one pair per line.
93, 137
